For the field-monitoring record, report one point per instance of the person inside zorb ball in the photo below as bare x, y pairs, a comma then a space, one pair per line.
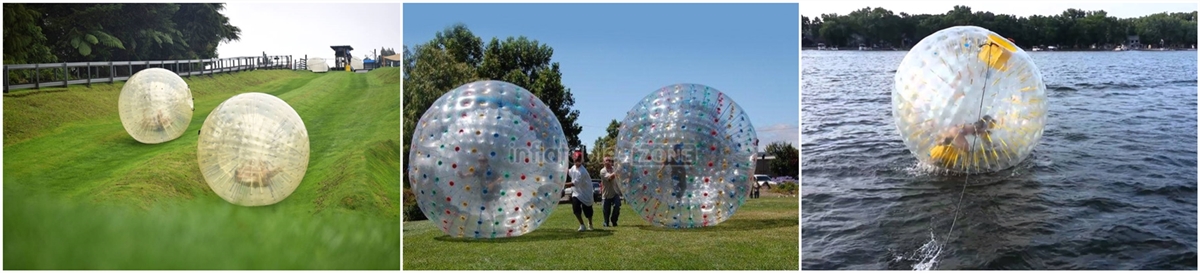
253, 149
488, 160
968, 100
155, 106
686, 155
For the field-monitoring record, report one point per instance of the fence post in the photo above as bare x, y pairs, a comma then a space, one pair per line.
112, 79
66, 76
37, 76
6, 79
89, 76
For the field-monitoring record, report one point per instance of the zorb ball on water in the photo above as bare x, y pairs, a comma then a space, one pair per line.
253, 149
488, 160
968, 100
155, 106
686, 156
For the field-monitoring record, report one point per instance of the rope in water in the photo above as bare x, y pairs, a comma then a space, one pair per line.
966, 179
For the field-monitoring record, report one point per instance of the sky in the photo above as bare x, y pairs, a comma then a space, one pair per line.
613, 55
1125, 9
310, 28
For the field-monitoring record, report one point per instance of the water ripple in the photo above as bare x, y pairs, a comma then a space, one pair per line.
1111, 186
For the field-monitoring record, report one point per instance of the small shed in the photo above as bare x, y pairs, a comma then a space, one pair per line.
341, 55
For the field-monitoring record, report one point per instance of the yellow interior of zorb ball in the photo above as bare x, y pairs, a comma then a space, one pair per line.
969, 100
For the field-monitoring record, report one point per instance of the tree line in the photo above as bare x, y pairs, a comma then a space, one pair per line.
1073, 29
45, 33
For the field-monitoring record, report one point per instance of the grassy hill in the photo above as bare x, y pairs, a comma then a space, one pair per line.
80, 193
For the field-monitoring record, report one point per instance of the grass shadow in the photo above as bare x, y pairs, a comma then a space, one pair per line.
733, 225
542, 234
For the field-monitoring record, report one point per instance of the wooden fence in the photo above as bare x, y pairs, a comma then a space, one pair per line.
63, 74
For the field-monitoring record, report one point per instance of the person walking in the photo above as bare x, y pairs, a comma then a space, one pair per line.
581, 196
611, 193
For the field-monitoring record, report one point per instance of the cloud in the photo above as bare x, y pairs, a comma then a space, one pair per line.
789, 133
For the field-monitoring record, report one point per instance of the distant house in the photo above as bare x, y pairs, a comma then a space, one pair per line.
762, 165
1132, 41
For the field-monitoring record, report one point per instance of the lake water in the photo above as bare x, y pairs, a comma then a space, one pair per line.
1112, 184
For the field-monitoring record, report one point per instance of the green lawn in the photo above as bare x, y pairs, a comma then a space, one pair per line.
764, 234
80, 193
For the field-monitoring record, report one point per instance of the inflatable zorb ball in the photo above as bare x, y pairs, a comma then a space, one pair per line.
488, 160
968, 100
155, 106
253, 149
686, 156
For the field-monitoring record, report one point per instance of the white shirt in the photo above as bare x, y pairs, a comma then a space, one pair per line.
583, 185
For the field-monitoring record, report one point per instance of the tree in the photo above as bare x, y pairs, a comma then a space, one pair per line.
787, 158
23, 38
206, 28
463, 45
604, 146
99, 32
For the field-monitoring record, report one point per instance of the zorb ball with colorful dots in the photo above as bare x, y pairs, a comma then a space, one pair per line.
686, 156
155, 106
253, 149
488, 160
968, 100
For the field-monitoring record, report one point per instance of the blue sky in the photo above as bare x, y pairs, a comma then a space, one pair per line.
612, 55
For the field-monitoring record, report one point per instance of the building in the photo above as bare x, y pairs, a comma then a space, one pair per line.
1133, 41
341, 56
762, 165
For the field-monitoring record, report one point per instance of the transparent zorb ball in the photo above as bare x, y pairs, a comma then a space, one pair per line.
253, 150
488, 160
155, 106
968, 100
685, 156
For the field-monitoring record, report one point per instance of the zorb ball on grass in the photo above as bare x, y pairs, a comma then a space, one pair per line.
968, 100
155, 106
488, 160
253, 149
686, 156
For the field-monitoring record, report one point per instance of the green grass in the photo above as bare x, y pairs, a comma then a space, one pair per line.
762, 235
80, 193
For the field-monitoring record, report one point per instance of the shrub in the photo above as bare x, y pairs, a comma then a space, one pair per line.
411, 211
786, 188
